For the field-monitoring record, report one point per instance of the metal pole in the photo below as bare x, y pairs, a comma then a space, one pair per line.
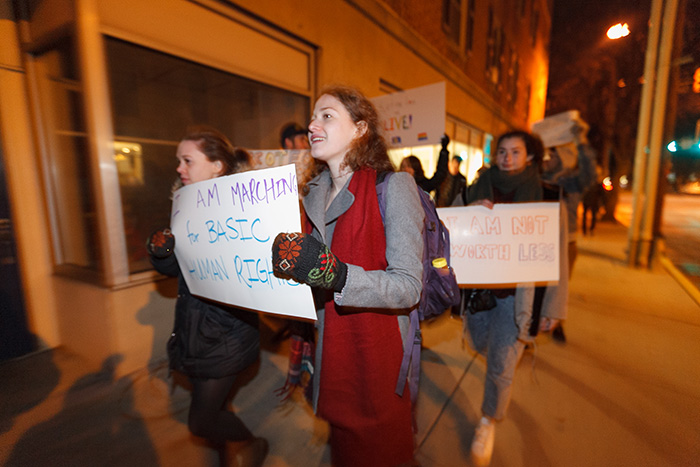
640, 153
657, 127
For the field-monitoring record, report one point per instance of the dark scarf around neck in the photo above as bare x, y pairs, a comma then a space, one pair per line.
525, 185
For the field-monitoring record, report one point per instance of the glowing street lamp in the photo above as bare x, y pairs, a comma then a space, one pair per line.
619, 30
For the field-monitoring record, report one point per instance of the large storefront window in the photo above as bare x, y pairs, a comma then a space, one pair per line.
155, 97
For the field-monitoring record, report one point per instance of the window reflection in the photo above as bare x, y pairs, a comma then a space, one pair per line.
155, 97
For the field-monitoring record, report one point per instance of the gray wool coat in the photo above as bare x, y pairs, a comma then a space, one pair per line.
399, 287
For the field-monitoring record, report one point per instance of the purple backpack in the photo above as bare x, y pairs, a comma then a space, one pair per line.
440, 290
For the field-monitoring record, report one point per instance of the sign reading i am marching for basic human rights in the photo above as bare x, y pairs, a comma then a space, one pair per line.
414, 117
511, 243
225, 228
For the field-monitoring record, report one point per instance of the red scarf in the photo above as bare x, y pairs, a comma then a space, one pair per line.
362, 351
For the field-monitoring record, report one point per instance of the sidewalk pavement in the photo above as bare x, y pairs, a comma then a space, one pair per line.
623, 390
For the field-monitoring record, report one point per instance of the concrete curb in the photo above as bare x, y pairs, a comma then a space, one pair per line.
687, 285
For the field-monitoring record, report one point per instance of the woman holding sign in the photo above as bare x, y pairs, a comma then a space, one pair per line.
500, 333
210, 343
365, 271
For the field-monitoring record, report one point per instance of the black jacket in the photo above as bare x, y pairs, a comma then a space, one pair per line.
209, 339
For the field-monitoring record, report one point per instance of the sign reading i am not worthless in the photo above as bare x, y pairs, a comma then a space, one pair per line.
224, 229
511, 243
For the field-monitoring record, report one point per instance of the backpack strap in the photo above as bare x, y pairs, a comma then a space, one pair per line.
382, 184
411, 348
411, 358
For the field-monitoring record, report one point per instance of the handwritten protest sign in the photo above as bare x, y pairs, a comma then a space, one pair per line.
510, 243
414, 117
224, 229
556, 130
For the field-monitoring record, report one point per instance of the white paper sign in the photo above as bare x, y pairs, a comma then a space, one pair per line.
556, 129
224, 228
510, 243
414, 117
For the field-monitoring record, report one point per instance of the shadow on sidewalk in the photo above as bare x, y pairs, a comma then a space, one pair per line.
90, 428
42, 378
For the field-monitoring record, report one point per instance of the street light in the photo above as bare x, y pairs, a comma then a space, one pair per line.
619, 30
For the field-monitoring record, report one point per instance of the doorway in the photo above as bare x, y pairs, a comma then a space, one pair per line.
15, 338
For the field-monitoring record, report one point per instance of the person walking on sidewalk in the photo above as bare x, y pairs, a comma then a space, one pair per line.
500, 333
366, 272
453, 184
210, 343
566, 179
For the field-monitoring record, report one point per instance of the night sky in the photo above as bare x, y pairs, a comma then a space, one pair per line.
578, 28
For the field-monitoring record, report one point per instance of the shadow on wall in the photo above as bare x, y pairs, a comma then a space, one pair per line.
167, 392
159, 313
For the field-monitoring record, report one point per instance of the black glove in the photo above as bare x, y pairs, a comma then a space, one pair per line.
445, 140
161, 243
305, 259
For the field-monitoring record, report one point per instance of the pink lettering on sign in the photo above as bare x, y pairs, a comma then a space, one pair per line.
528, 225
488, 225
481, 251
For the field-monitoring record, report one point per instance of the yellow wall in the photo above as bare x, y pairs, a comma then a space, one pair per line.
304, 45
24, 190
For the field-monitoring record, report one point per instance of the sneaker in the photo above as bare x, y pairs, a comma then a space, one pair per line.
482, 444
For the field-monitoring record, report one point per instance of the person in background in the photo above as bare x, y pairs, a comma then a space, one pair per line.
365, 270
453, 184
591, 200
294, 136
566, 177
500, 333
211, 343
412, 165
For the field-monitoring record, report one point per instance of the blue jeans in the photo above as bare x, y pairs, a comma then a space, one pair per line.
494, 334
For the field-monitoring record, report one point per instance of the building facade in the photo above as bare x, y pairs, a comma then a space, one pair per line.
95, 94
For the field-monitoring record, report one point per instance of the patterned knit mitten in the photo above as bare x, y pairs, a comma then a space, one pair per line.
305, 259
161, 243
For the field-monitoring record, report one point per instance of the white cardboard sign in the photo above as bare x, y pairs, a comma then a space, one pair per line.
224, 229
414, 117
510, 243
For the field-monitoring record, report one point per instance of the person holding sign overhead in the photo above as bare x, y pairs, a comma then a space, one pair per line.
412, 165
210, 343
365, 271
500, 333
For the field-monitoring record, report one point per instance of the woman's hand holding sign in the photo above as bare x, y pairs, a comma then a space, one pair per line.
305, 259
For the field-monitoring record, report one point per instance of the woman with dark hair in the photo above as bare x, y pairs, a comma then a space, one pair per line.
500, 333
210, 343
365, 270
412, 165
